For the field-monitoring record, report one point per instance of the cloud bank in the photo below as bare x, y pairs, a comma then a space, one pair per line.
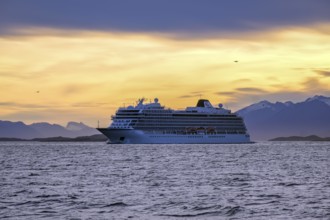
184, 16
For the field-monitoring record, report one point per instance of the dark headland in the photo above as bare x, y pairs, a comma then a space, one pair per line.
299, 138
92, 138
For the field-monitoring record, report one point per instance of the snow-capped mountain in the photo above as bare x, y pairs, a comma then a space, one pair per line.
263, 105
320, 98
80, 128
266, 120
75, 126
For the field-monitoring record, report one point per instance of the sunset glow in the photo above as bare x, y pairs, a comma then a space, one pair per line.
58, 75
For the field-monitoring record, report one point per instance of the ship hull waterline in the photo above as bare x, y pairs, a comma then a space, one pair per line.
133, 136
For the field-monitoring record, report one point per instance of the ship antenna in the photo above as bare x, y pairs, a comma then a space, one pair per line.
98, 123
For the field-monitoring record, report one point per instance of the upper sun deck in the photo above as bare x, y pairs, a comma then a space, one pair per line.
141, 106
203, 106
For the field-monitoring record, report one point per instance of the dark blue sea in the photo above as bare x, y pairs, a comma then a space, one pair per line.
266, 180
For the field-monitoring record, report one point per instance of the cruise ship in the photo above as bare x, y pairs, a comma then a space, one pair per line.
152, 123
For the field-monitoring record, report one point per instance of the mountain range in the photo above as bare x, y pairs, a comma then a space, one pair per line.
43, 130
264, 120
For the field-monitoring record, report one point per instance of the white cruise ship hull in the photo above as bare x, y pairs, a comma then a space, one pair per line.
132, 136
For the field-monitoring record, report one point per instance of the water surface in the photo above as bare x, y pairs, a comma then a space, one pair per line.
267, 180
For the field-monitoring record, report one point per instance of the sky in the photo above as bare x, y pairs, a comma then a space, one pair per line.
79, 60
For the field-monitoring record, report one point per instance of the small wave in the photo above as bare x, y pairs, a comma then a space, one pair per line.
289, 184
53, 200
313, 202
155, 184
48, 212
72, 196
228, 211
243, 155
28, 203
33, 183
115, 204
270, 196
199, 208
233, 210
21, 191
47, 196
260, 203
103, 211
239, 179
192, 215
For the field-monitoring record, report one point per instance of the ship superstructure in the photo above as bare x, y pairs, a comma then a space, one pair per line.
152, 123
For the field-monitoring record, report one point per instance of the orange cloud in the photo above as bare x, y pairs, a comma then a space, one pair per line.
115, 68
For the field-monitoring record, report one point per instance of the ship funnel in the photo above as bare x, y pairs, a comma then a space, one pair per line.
204, 103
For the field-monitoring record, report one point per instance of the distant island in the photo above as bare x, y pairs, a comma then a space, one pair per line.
299, 138
92, 138
20, 130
